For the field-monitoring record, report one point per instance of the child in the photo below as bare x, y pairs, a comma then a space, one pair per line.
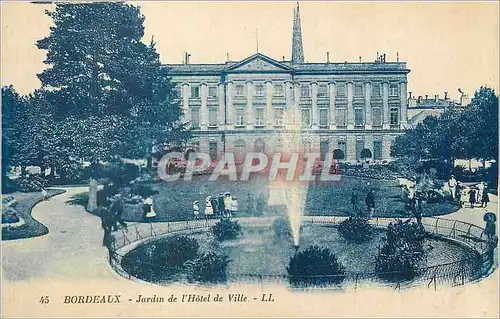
234, 207
485, 199
209, 211
45, 194
149, 212
196, 210
472, 197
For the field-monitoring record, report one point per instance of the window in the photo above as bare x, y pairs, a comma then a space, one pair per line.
360, 145
358, 89
278, 90
195, 92
305, 90
259, 117
323, 117
340, 117
341, 89
212, 117
278, 117
322, 90
212, 91
358, 117
377, 150
239, 90
240, 117
212, 150
376, 89
259, 90
323, 149
195, 118
377, 116
240, 146
394, 116
306, 117
393, 90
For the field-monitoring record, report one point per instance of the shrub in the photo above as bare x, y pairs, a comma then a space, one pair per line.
282, 228
9, 215
356, 229
209, 267
402, 252
260, 205
31, 183
316, 266
226, 229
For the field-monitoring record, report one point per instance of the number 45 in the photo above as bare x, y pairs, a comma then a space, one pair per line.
44, 300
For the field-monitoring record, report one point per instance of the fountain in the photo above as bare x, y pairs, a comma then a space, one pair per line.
291, 193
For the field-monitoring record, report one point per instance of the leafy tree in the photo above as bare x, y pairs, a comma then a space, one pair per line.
103, 79
209, 268
338, 154
365, 153
226, 229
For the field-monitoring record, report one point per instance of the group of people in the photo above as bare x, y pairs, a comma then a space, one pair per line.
224, 205
476, 194
369, 201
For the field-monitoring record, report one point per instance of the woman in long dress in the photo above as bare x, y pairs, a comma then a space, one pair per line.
209, 210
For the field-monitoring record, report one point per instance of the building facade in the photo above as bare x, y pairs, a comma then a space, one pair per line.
248, 105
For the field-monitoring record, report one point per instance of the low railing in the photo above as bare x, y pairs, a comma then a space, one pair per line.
456, 272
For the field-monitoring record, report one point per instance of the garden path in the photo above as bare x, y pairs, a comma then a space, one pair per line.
71, 255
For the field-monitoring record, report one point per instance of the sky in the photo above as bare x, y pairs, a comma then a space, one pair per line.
447, 45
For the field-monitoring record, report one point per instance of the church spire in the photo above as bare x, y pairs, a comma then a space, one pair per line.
297, 49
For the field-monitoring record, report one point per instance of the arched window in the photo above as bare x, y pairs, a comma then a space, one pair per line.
260, 146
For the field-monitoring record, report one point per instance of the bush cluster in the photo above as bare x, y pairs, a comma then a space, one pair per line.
282, 228
209, 267
402, 251
30, 183
226, 229
356, 229
315, 266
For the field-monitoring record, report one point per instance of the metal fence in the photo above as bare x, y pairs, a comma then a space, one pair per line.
454, 273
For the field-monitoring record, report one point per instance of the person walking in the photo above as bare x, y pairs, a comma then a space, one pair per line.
227, 204
480, 191
196, 210
209, 211
472, 197
354, 203
116, 211
220, 205
463, 196
147, 207
370, 202
234, 206
45, 194
452, 184
485, 198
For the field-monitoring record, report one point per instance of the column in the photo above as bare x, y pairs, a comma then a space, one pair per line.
331, 91
385, 103
350, 109
314, 106
288, 103
222, 106
296, 101
185, 103
368, 107
229, 107
249, 111
351, 148
386, 147
269, 103
204, 108
404, 105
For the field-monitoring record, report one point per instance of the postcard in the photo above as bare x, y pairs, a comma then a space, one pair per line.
250, 159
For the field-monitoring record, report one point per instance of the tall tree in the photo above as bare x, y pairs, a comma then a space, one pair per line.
104, 80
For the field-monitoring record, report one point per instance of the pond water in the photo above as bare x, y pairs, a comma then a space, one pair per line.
260, 252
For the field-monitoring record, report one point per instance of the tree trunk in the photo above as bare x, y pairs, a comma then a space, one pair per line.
470, 164
23, 171
52, 175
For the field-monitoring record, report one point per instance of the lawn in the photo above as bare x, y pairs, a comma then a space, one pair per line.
174, 200
31, 228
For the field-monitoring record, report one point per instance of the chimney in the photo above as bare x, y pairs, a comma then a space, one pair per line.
426, 97
283, 58
436, 98
227, 57
409, 95
187, 58
446, 95
327, 57
359, 59
420, 99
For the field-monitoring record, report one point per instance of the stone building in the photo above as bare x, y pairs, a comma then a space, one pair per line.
249, 105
